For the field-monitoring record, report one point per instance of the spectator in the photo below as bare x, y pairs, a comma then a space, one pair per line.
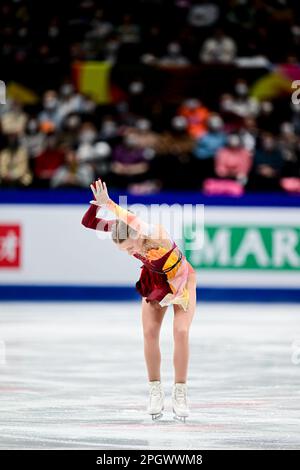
143, 135
109, 131
174, 57
207, 146
268, 163
196, 114
111, 49
174, 151
129, 164
296, 117
209, 143
129, 32
70, 129
249, 134
233, 161
48, 161
129, 36
203, 14
91, 150
50, 118
218, 48
243, 105
231, 121
69, 101
100, 27
72, 173
14, 164
266, 119
13, 118
289, 145
33, 140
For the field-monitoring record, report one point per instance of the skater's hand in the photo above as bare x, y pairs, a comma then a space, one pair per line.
100, 193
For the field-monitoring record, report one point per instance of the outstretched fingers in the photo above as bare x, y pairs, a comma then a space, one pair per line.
93, 189
99, 185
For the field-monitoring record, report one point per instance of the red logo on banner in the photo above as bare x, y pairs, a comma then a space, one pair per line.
10, 236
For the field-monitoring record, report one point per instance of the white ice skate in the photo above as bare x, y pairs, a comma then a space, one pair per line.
156, 400
179, 401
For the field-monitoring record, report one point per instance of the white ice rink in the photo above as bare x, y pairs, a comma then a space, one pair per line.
73, 377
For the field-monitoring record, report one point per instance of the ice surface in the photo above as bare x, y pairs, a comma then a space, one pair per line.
73, 376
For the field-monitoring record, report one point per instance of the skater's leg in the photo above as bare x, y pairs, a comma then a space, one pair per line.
152, 317
181, 326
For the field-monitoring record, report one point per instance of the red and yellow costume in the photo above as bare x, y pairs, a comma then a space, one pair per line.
164, 272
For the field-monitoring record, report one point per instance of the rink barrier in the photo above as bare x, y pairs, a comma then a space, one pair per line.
77, 196
23, 293
209, 289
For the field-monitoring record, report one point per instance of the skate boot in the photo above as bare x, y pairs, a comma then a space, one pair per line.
179, 401
156, 400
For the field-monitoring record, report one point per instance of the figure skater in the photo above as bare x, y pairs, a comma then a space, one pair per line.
166, 278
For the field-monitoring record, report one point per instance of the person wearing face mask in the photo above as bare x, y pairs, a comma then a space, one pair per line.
14, 164
129, 35
50, 117
92, 151
244, 105
174, 57
70, 101
72, 173
87, 133
218, 49
226, 111
109, 131
196, 114
13, 118
209, 143
233, 161
48, 161
129, 162
268, 163
174, 150
70, 129
143, 134
207, 146
267, 120
33, 139
136, 101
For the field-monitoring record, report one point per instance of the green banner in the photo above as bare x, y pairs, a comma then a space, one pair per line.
275, 248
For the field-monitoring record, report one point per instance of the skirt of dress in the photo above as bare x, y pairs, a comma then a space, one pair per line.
153, 286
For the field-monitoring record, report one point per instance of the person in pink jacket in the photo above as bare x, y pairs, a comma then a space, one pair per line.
233, 161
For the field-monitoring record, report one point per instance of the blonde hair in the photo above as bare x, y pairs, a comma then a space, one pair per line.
121, 231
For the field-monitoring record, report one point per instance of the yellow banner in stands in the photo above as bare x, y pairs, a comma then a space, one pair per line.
22, 94
93, 79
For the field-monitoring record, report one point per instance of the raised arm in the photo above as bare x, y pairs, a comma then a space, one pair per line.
90, 219
101, 197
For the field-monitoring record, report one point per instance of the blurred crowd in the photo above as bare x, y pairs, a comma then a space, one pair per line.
137, 143
242, 145
166, 32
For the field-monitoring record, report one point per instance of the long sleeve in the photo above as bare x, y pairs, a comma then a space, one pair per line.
90, 220
130, 219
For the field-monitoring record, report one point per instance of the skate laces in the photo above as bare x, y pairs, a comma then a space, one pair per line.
155, 391
180, 395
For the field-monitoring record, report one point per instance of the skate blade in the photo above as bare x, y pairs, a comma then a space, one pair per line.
180, 419
157, 416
